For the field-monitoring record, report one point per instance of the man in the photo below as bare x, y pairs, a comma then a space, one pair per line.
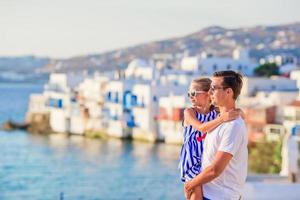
225, 154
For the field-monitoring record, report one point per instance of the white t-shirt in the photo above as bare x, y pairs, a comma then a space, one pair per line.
230, 137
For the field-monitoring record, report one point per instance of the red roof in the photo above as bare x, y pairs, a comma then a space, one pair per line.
295, 103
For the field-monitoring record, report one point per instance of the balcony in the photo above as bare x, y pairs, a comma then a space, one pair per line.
175, 115
55, 103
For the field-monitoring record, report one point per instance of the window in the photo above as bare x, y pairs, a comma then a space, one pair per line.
154, 98
215, 67
288, 118
275, 130
116, 98
134, 100
109, 96
141, 102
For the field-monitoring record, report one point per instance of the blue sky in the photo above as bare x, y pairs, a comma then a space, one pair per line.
65, 28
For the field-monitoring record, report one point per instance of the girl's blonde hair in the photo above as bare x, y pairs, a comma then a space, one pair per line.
203, 83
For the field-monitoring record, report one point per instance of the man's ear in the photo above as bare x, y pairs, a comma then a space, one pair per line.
229, 90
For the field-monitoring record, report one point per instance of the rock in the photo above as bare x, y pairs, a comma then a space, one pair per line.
10, 125
39, 123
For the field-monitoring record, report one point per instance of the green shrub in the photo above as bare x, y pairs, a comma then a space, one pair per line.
267, 70
265, 156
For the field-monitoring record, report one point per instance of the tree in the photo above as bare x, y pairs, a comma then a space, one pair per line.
267, 69
265, 156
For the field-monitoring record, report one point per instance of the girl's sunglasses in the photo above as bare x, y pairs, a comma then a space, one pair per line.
195, 92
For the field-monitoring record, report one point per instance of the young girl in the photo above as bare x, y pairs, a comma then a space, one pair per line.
202, 117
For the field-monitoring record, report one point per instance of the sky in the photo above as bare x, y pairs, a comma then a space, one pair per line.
66, 28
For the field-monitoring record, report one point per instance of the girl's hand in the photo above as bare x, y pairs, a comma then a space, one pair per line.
230, 115
242, 114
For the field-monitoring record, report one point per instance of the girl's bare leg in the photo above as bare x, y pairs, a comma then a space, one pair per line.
197, 194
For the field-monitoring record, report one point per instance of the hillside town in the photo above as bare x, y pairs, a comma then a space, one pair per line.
146, 100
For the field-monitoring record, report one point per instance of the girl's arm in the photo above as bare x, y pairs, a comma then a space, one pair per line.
190, 118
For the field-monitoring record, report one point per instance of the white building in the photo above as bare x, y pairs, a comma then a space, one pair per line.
58, 96
144, 109
78, 119
208, 65
118, 98
133, 103
170, 118
141, 69
177, 77
87, 114
252, 85
280, 59
292, 117
148, 95
273, 98
295, 75
290, 120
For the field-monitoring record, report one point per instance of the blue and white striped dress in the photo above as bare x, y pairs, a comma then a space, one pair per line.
191, 151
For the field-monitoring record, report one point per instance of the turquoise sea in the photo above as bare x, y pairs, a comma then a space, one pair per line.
61, 167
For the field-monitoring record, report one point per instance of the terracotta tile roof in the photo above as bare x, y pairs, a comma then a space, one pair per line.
295, 103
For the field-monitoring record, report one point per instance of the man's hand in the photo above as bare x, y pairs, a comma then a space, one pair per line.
188, 190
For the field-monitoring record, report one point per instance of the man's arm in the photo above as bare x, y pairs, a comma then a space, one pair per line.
211, 172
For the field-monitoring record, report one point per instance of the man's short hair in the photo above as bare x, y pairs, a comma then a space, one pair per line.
231, 79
